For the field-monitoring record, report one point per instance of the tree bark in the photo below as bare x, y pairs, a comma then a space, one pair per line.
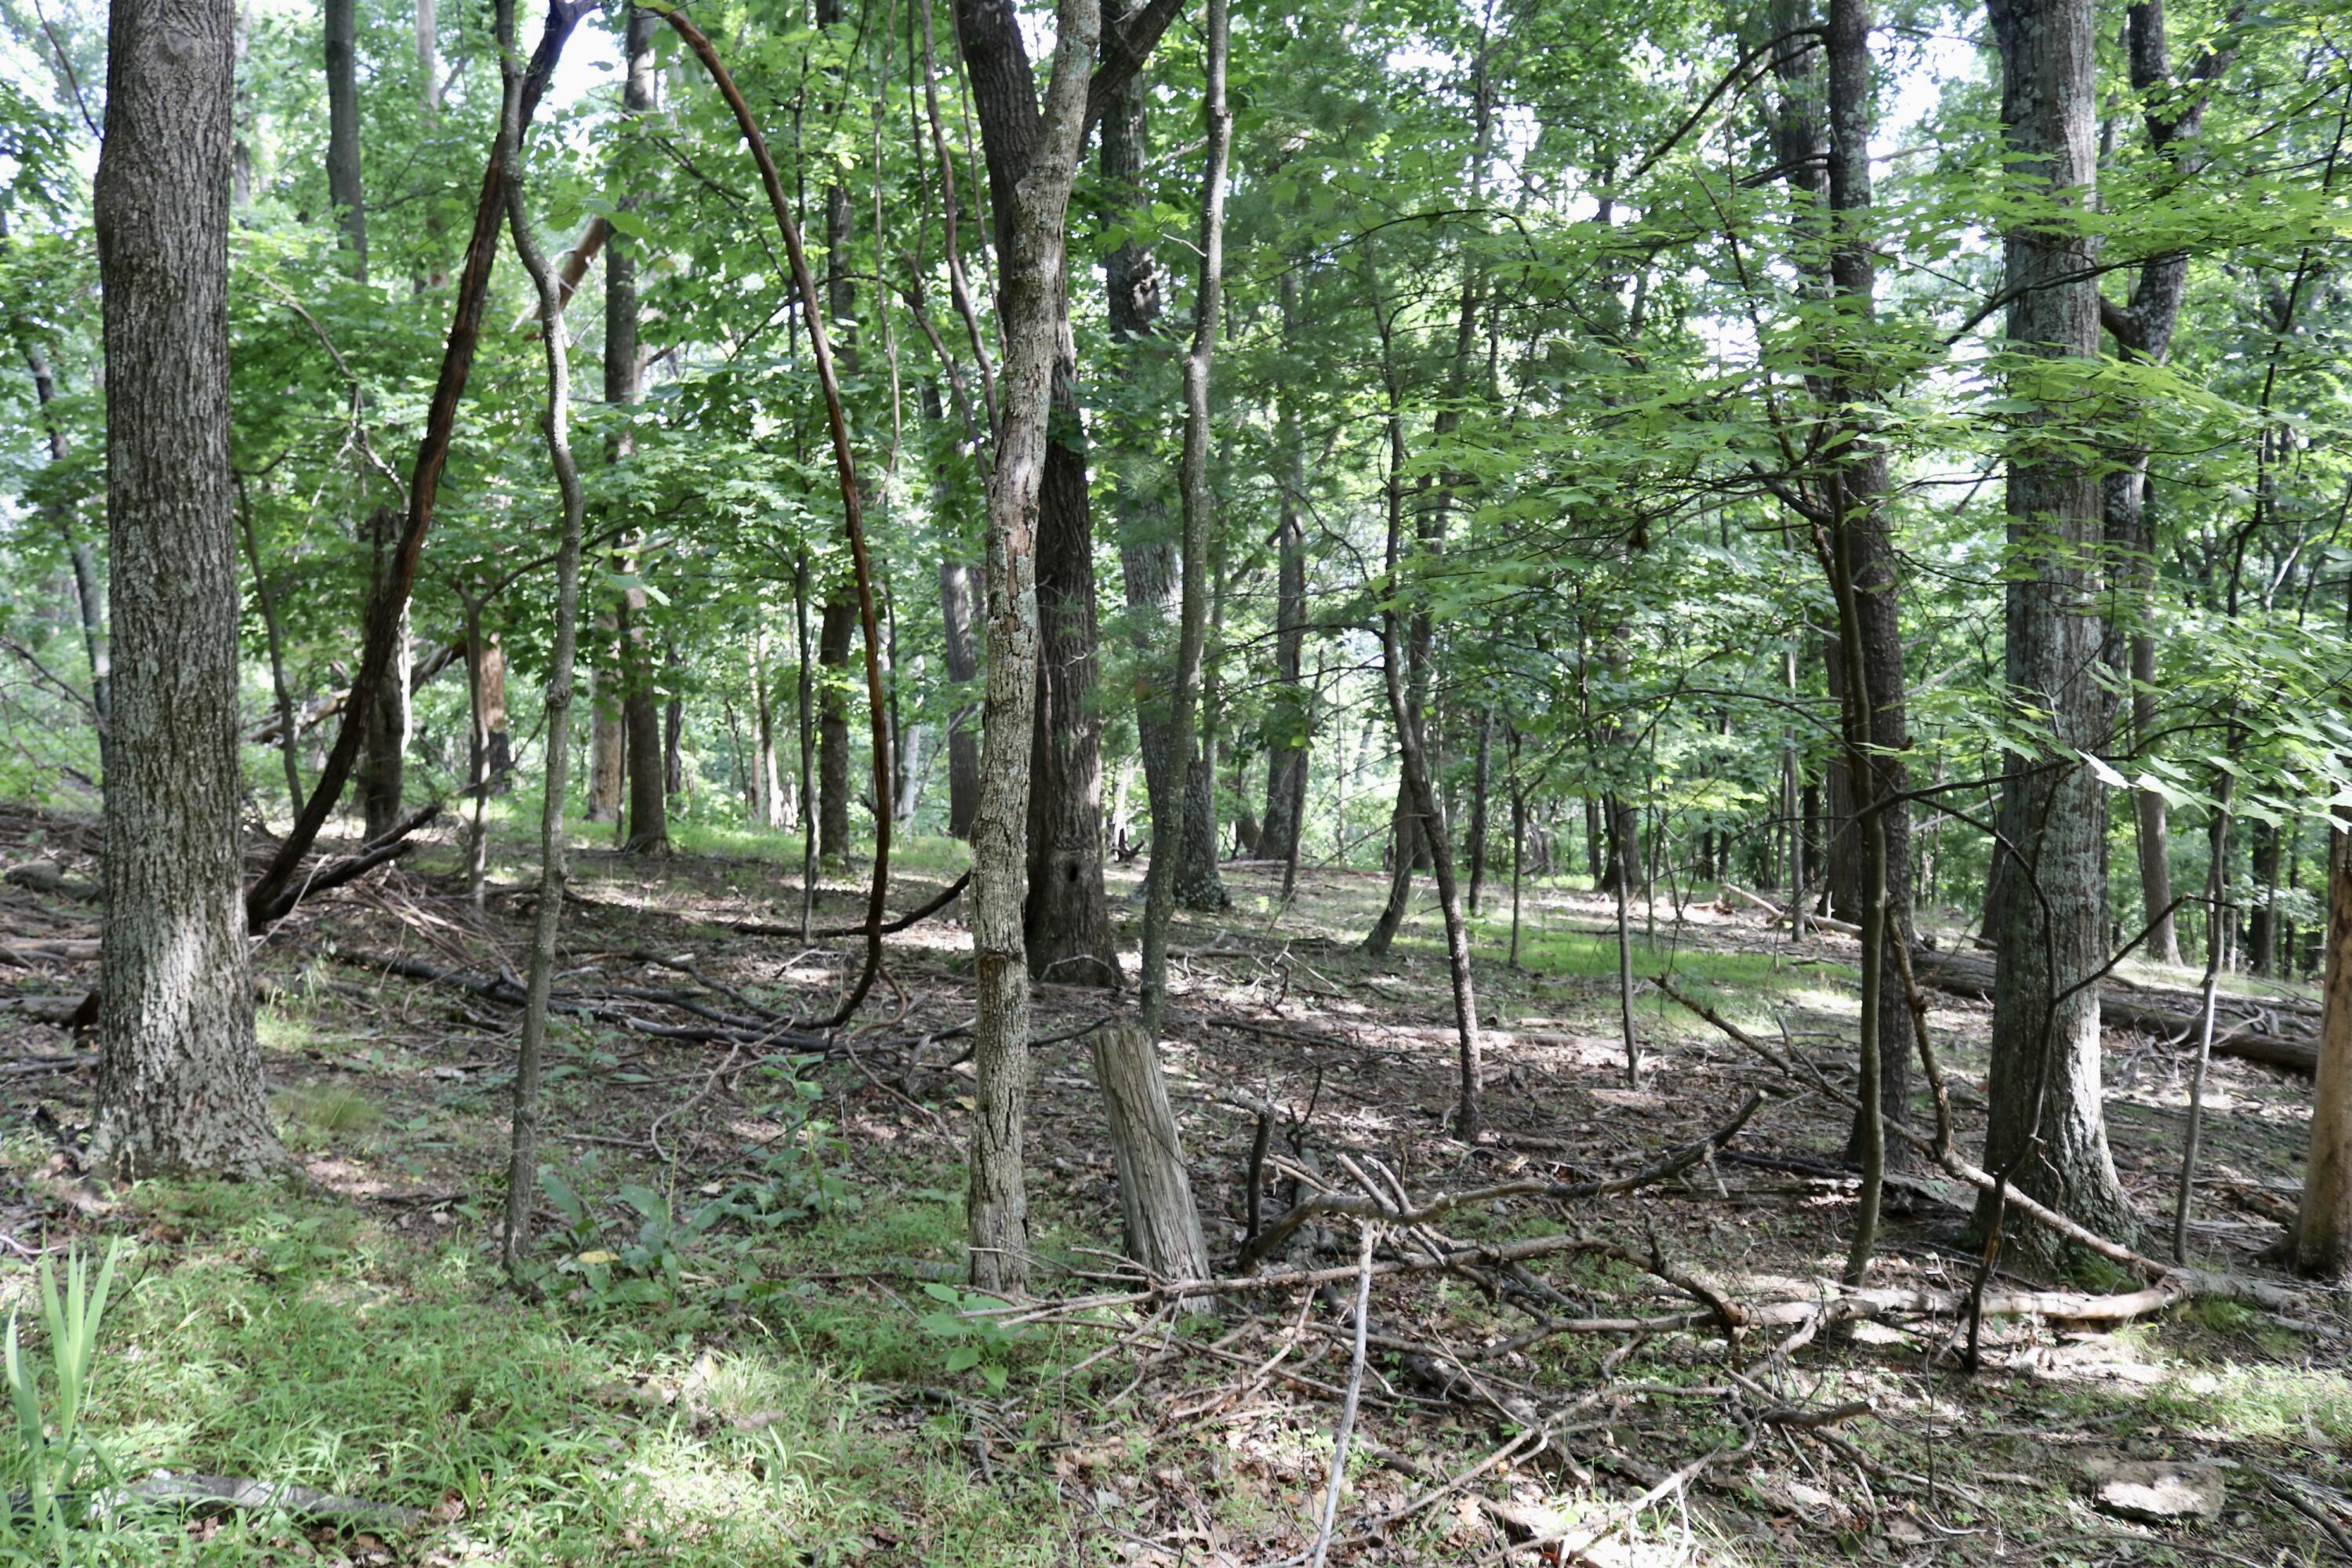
1068, 924
2046, 1128
2323, 1231
1171, 823
386, 736
964, 666
344, 191
1155, 1193
835, 628
180, 1081
648, 819
1290, 719
1032, 179
604, 748
522, 1167
1147, 527
2143, 328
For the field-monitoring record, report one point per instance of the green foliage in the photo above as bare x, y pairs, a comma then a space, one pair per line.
49, 1461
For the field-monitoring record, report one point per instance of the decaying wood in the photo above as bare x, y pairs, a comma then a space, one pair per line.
2256, 1039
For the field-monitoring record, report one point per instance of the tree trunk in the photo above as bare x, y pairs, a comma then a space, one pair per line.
1139, 491
963, 666
497, 765
2262, 912
605, 747
1198, 883
1290, 719
522, 1171
1068, 924
1033, 157
1155, 1194
648, 820
1478, 782
344, 191
180, 1085
2143, 330
2046, 1128
1191, 746
835, 628
2323, 1231
387, 719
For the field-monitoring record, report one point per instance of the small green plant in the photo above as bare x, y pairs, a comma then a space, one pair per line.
981, 1343
47, 1454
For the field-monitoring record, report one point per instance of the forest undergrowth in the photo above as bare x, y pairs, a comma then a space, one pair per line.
751, 1344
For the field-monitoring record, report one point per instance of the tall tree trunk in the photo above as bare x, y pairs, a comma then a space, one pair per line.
1163, 1227
1419, 789
605, 747
2323, 1231
1190, 754
648, 819
387, 717
835, 628
343, 187
2046, 1128
1478, 782
522, 1171
1139, 491
1827, 163
2143, 328
963, 666
1290, 719
179, 1084
1199, 884
1068, 924
1033, 157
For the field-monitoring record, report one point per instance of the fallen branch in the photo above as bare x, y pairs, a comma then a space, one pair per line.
2249, 1041
390, 845
1271, 1239
888, 928
2184, 1283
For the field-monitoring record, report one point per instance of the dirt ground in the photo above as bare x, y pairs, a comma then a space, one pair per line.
1583, 1397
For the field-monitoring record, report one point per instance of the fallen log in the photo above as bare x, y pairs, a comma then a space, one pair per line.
2247, 1040
2184, 1283
889, 928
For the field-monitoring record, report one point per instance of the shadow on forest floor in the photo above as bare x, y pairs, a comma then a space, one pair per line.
750, 1355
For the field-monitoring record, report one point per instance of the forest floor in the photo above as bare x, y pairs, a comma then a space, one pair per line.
751, 1350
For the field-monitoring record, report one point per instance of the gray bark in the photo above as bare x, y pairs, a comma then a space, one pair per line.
1033, 210
179, 1084
1173, 824
2052, 904
2143, 328
1155, 1194
963, 666
522, 1168
649, 819
343, 187
385, 740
